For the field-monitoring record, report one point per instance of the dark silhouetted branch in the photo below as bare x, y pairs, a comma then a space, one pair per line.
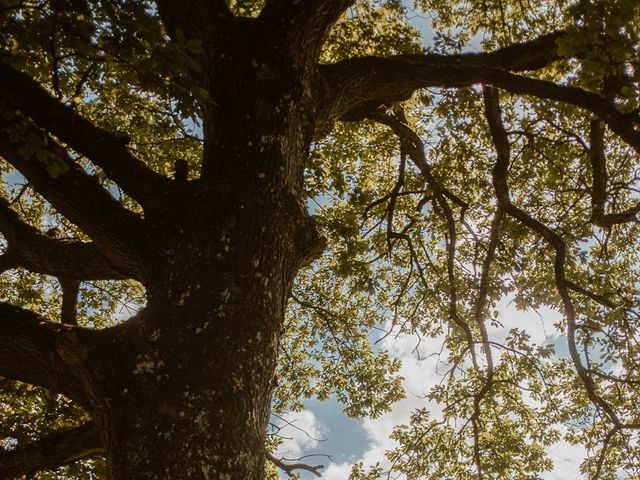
50, 452
84, 441
290, 468
69, 309
622, 124
74, 194
357, 86
43, 353
30, 249
105, 149
503, 150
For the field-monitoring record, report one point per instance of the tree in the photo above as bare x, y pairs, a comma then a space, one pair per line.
176, 148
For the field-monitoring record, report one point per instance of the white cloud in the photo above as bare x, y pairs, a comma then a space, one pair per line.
423, 369
538, 324
566, 459
301, 432
337, 471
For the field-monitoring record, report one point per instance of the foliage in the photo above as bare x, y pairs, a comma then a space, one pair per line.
392, 265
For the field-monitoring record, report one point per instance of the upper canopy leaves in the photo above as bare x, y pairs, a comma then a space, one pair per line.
442, 200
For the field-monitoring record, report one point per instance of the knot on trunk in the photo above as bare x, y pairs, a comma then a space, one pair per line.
308, 238
310, 241
70, 349
77, 349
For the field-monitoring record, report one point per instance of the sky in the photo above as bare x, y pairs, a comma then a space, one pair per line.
323, 434
323, 429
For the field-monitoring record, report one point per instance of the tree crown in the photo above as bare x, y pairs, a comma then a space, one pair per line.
496, 165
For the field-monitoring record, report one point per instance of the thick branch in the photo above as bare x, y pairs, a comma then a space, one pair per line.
69, 308
103, 148
47, 354
356, 86
84, 441
624, 124
194, 18
60, 448
70, 259
304, 25
73, 193
503, 150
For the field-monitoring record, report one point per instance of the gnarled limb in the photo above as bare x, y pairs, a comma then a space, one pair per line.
69, 309
304, 25
503, 150
85, 441
30, 249
357, 86
290, 468
43, 353
623, 124
193, 17
53, 451
103, 148
62, 182
563, 285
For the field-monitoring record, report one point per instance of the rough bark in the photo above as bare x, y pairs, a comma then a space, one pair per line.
190, 390
58, 357
304, 26
82, 442
183, 390
31, 249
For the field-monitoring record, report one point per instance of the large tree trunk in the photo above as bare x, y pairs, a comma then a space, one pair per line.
194, 402
189, 388
183, 390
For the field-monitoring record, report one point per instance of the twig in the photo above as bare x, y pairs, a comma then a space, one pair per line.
290, 468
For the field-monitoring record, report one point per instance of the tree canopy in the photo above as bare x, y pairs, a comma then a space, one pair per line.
462, 155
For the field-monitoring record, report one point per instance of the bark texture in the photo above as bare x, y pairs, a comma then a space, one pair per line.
183, 390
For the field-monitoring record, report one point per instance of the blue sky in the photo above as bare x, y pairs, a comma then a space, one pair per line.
348, 440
